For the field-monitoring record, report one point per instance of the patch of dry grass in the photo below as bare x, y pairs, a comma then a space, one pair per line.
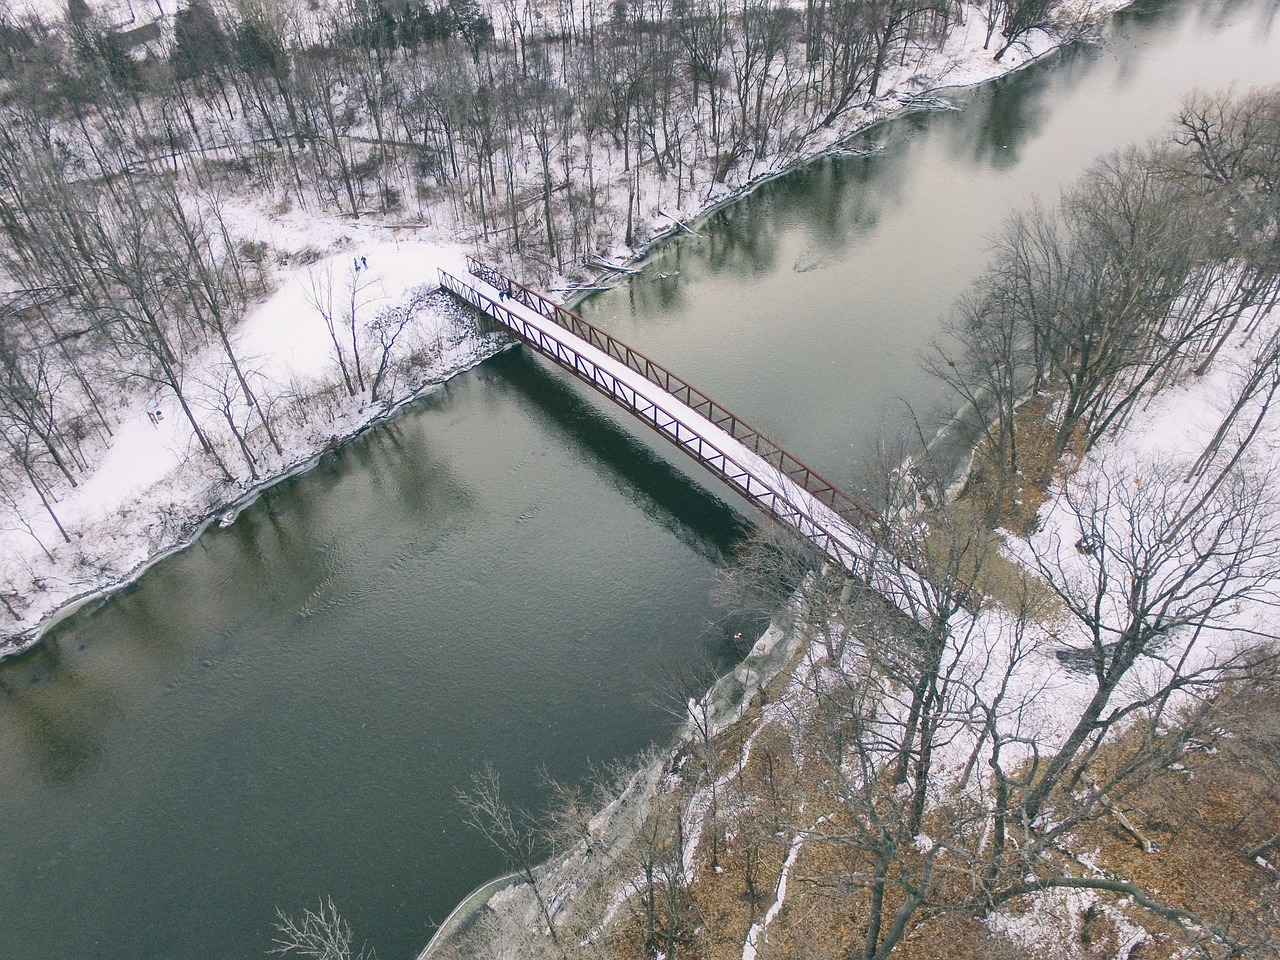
994, 577
1202, 818
986, 506
1221, 802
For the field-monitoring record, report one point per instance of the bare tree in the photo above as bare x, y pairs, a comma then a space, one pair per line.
340, 308
513, 832
220, 394
1102, 302
17, 518
1150, 567
845, 53
203, 255
893, 25
889, 867
1020, 17
943, 546
320, 934
660, 899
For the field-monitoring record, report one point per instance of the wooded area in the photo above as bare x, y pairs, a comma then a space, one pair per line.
551, 131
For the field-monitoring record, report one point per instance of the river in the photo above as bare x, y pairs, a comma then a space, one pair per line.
510, 571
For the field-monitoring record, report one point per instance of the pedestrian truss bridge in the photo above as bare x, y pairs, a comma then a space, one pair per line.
774, 480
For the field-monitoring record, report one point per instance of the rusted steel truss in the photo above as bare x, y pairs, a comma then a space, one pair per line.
791, 466
775, 490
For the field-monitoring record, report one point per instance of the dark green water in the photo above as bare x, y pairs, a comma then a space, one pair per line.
510, 570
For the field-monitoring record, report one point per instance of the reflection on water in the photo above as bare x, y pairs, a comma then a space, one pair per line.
287, 709
1013, 111
53, 716
511, 569
805, 310
701, 521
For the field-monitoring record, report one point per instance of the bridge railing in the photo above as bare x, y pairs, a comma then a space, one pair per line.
791, 466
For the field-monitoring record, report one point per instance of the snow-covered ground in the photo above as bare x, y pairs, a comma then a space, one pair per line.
144, 497
915, 84
1009, 667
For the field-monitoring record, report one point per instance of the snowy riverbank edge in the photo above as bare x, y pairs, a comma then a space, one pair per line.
724, 704
225, 512
889, 107
923, 102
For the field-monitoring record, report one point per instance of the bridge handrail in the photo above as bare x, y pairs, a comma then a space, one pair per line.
796, 469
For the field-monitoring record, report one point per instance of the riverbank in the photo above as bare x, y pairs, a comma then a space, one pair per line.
364, 593
613, 829
959, 64
147, 501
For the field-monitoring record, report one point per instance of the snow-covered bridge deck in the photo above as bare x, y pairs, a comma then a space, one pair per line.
780, 484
